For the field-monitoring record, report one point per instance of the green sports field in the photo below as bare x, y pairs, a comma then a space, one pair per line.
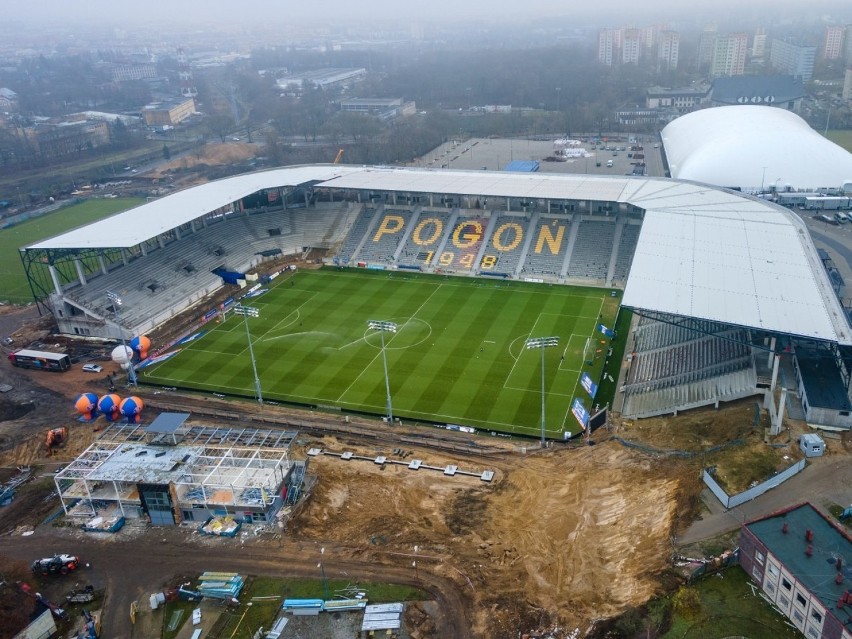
13, 281
458, 356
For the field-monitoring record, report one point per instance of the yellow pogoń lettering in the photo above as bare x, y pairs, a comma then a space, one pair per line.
553, 243
390, 225
436, 233
497, 238
462, 238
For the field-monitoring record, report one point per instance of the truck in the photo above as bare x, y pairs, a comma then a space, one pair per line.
56, 565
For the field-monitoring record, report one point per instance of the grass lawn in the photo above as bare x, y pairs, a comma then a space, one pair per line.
13, 281
458, 355
841, 137
240, 623
729, 609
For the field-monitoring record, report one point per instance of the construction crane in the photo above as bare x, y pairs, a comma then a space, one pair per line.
338, 156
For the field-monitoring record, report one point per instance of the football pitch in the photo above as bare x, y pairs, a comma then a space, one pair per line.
458, 355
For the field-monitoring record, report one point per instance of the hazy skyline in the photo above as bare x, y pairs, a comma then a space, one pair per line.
338, 11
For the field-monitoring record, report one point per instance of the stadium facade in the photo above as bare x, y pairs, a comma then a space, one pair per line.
731, 295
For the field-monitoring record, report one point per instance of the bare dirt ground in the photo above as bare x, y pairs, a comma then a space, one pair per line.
559, 539
212, 154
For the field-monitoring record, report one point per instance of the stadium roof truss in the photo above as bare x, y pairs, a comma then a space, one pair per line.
703, 252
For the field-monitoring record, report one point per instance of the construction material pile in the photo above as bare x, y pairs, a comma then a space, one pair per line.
220, 585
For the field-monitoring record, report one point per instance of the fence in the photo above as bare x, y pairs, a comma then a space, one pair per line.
755, 491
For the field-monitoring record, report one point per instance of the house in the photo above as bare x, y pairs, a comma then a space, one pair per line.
800, 559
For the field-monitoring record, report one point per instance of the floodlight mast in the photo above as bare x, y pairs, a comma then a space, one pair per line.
382, 327
541, 343
246, 312
115, 298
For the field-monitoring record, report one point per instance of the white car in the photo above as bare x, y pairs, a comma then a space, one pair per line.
92, 368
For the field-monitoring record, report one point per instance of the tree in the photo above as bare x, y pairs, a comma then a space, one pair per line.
686, 602
220, 125
167, 155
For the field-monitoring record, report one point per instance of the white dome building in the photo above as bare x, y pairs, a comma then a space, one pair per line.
754, 148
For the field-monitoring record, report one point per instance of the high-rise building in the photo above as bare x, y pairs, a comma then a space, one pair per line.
792, 59
706, 43
847, 45
758, 44
832, 47
847, 85
631, 46
606, 46
668, 48
729, 55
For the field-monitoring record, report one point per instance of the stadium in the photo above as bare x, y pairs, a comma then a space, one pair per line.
722, 295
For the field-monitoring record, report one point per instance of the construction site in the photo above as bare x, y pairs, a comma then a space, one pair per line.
558, 538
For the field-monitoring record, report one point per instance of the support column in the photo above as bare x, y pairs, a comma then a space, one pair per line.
102, 262
779, 414
53, 276
771, 352
774, 372
82, 276
143, 249
124, 256
161, 242
177, 233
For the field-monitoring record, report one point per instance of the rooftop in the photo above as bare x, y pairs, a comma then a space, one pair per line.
817, 572
703, 251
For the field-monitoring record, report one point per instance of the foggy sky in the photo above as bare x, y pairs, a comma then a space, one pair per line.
125, 12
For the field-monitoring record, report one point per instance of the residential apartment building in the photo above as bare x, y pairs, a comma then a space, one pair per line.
758, 44
847, 85
706, 44
832, 47
793, 59
668, 49
729, 55
606, 46
631, 46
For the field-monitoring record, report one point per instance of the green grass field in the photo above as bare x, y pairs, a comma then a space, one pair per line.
841, 137
13, 281
458, 356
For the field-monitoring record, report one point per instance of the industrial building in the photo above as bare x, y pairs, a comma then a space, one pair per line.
169, 112
171, 472
800, 559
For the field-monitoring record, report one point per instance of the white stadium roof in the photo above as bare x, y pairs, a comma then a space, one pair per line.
751, 147
134, 226
703, 252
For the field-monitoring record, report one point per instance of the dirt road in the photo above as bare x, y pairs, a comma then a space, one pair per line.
825, 480
132, 569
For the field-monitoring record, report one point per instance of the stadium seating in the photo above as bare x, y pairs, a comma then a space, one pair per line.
508, 230
430, 222
592, 249
380, 247
179, 273
673, 368
544, 262
356, 235
462, 247
626, 249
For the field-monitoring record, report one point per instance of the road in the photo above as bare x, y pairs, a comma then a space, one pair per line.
132, 568
824, 480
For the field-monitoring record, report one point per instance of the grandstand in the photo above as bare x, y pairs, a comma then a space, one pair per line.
728, 287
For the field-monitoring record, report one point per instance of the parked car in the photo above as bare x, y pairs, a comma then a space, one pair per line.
92, 368
56, 565
8, 341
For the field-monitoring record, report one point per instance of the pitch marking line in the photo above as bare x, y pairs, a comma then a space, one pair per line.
387, 343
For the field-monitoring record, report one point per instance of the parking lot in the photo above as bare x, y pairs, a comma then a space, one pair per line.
493, 154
